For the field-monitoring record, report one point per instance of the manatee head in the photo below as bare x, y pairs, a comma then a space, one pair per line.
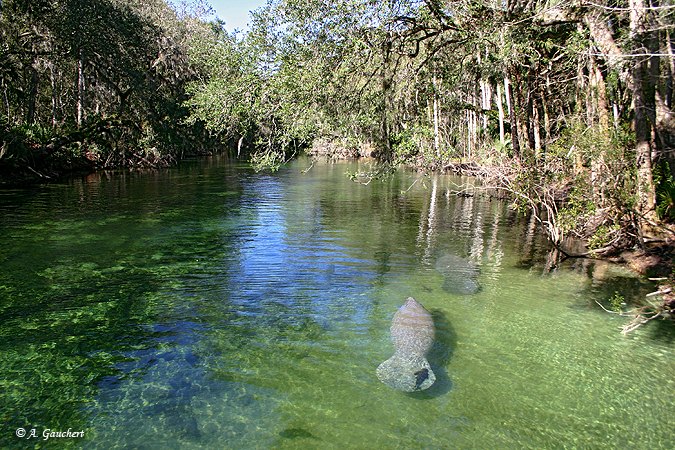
406, 374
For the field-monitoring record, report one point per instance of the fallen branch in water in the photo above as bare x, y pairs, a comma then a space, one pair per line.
41, 175
379, 172
667, 290
665, 309
411, 186
609, 310
304, 171
637, 322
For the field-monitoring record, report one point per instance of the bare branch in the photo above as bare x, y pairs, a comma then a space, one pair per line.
616, 8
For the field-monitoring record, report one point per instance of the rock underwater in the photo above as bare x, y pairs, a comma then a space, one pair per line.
459, 275
412, 332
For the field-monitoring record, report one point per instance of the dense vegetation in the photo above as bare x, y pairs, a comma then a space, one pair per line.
564, 105
89, 83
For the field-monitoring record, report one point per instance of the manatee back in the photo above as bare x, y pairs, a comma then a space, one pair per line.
412, 332
412, 329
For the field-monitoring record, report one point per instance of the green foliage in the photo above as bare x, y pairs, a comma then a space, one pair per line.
412, 142
603, 235
577, 209
105, 78
36, 133
617, 302
267, 160
505, 149
600, 171
602, 156
665, 192
579, 142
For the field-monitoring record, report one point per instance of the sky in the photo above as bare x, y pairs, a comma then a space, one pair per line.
235, 13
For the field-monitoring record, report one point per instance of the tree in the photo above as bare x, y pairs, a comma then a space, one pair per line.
94, 82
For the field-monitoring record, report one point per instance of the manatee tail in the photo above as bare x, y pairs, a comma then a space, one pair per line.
406, 374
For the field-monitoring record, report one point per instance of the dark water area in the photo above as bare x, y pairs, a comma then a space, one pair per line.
207, 306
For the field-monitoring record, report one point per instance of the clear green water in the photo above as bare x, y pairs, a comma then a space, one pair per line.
210, 307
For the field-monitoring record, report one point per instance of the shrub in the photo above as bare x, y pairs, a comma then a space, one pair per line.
665, 192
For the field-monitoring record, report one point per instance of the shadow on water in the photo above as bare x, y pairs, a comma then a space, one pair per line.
439, 356
297, 433
624, 292
610, 284
662, 330
612, 293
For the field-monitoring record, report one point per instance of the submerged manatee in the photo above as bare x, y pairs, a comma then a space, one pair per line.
412, 332
460, 276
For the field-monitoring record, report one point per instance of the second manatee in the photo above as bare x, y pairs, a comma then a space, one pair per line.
459, 275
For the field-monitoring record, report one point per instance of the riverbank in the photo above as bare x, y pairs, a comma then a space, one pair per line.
30, 158
43, 169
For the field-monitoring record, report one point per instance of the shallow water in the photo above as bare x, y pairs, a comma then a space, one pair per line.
206, 306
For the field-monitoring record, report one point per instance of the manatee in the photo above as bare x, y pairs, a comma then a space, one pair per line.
412, 332
460, 276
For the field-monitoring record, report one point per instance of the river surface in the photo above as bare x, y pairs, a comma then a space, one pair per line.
207, 306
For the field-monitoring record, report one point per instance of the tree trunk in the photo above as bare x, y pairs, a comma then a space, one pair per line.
500, 108
535, 128
55, 94
547, 117
80, 89
522, 108
32, 96
486, 94
599, 91
467, 148
644, 104
604, 40
6, 97
512, 117
437, 147
474, 126
665, 118
669, 68
507, 94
